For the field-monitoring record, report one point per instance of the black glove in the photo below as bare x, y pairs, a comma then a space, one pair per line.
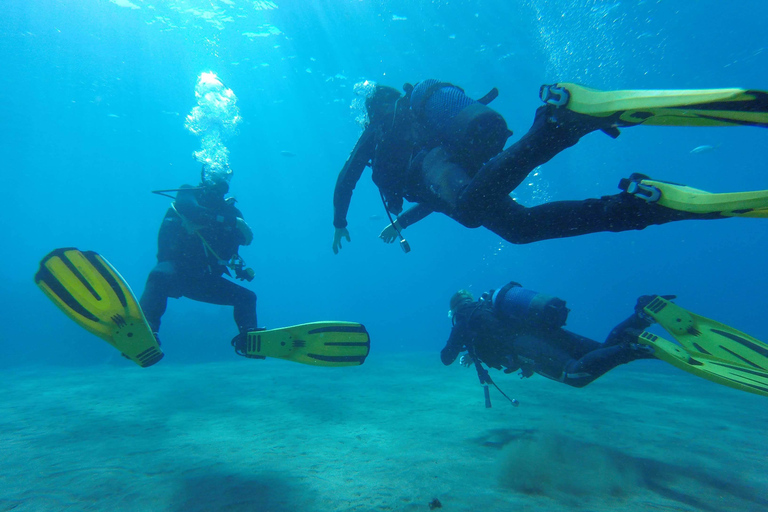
511, 364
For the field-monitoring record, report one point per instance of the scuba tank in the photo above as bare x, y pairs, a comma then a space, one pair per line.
470, 130
518, 304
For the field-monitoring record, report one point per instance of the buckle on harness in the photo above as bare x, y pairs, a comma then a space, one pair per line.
648, 193
554, 95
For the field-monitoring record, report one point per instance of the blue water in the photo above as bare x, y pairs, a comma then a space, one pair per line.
95, 93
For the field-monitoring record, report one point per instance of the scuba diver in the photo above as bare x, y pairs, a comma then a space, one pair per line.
90, 291
514, 328
198, 243
436, 147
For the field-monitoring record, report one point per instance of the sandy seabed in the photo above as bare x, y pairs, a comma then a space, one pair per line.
391, 435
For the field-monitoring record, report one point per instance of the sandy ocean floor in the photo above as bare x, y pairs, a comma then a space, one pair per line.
390, 435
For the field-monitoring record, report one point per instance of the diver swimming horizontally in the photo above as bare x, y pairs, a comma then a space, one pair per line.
438, 148
516, 329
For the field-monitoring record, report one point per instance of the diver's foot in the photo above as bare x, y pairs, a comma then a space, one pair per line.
240, 342
578, 124
641, 351
157, 338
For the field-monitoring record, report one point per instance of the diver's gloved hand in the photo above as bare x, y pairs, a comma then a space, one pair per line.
526, 371
466, 361
644, 300
337, 236
243, 228
389, 234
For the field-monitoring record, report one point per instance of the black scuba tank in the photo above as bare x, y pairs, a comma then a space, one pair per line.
518, 304
472, 132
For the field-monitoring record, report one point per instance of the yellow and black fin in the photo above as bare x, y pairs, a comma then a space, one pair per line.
317, 343
708, 349
674, 107
689, 199
92, 293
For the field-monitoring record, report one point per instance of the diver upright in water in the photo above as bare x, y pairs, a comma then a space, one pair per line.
198, 243
438, 148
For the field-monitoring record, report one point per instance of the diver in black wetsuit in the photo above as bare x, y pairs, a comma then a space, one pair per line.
517, 329
197, 243
438, 148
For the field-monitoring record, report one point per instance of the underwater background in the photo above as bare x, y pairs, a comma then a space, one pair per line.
94, 98
95, 95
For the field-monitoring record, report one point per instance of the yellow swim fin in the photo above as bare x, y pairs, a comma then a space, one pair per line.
317, 343
93, 294
689, 199
708, 349
683, 107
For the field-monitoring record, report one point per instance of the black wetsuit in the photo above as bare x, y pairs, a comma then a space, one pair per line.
189, 267
555, 353
479, 196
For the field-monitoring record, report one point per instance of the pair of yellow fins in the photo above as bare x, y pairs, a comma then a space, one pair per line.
91, 292
704, 347
683, 107
707, 348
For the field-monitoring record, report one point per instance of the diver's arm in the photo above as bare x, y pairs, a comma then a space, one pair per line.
350, 174
409, 218
413, 215
246, 233
186, 204
453, 347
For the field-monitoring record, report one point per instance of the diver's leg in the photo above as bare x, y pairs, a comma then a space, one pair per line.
439, 183
554, 357
553, 131
580, 372
620, 347
162, 282
627, 331
218, 290
575, 345
536, 354
561, 219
